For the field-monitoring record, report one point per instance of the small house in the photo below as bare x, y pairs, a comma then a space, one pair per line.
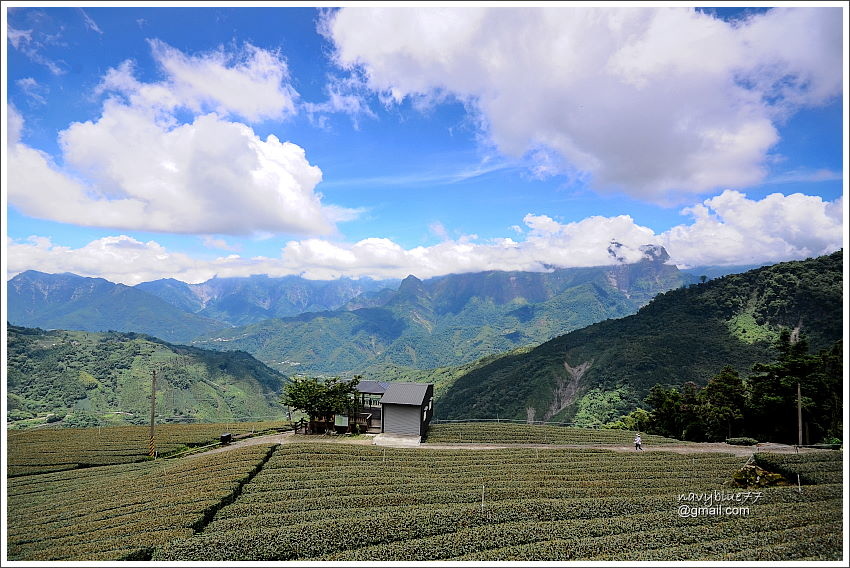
396, 408
369, 395
407, 408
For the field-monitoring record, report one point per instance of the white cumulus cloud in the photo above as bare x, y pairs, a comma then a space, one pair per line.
119, 259
656, 102
138, 167
727, 229
732, 229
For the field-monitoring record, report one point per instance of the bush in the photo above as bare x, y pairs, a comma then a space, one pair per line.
744, 441
81, 420
18, 414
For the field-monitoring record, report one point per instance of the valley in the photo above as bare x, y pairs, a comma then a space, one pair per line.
573, 345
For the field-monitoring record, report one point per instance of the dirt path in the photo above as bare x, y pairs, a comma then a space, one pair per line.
683, 448
255, 441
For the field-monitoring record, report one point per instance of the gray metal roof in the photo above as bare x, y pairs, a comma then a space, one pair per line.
405, 393
372, 387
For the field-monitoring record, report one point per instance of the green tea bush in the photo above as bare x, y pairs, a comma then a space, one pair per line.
331, 502
41, 451
812, 467
338, 502
744, 441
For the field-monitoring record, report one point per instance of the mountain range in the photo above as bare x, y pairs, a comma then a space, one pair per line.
68, 301
450, 320
169, 309
686, 334
580, 344
241, 301
349, 326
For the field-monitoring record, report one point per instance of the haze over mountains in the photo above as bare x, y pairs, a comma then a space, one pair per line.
169, 309
68, 301
241, 301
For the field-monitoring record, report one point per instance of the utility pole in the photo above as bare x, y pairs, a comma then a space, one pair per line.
173, 364
799, 417
152, 442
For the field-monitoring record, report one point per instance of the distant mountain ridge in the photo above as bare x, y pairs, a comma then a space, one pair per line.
68, 301
453, 319
170, 309
685, 334
244, 300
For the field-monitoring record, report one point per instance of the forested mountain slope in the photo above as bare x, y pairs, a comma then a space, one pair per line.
106, 377
686, 334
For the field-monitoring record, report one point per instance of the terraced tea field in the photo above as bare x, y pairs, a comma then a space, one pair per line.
59, 449
316, 501
508, 433
121, 511
335, 502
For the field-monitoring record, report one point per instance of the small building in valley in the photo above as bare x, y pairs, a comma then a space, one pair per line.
396, 408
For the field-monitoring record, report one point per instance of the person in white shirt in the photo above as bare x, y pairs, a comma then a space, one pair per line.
638, 443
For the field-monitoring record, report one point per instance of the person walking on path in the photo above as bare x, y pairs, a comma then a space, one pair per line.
638, 443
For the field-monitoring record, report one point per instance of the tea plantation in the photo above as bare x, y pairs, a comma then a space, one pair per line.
508, 433
316, 501
121, 511
58, 449
362, 503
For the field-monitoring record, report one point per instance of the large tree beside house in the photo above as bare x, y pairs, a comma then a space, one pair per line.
321, 399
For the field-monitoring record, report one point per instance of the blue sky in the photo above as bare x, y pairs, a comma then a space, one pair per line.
155, 142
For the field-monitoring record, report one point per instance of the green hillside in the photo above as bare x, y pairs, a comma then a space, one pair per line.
687, 334
101, 378
450, 320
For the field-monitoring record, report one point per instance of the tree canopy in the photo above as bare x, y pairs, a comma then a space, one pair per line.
764, 406
321, 398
